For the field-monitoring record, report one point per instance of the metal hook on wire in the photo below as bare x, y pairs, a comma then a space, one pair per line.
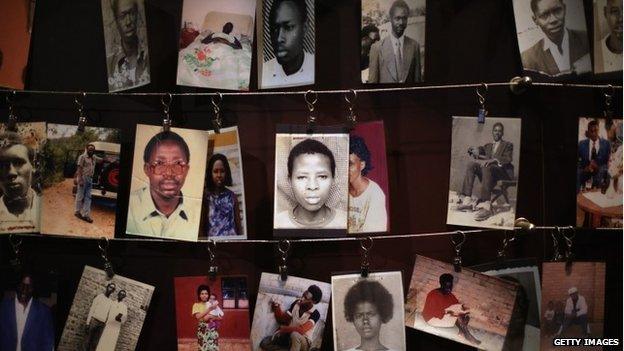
366, 244
217, 121
165, 101
482, 96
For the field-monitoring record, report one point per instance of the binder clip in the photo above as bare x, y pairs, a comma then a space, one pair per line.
481, 95
82, 118
351, 98
108, 266
217, 122
213, 269
11, 124
283, 247
311, 97
366, 245
457, 242
165, 100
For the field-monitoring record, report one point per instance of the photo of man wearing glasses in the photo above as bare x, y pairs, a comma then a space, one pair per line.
160, 209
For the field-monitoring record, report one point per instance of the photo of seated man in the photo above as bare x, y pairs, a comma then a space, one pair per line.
215, 44
457, 306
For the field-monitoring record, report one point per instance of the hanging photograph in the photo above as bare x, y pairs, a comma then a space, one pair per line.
552, 37
599, 173
286, 43
573, 302
368, 313
27, 310
607, 36
216, 40
289, 315
212, 314
20, 177
223, 214
125, 37
80, 181
485, 163
525, 273
311, 183
393, 41
167, 182
15, 42
368, 179
106, 314
468, 307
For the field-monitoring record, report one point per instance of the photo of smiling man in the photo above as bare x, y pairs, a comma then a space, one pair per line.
287, 55
167, 182
311, 182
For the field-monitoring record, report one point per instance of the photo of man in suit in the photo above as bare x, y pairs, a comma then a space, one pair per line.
492, 162
561, 50
25, 322
593, 159
396, 57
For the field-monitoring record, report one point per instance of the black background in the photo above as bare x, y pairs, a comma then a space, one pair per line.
469, 41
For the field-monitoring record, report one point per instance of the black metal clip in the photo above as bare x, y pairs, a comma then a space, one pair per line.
16, 243
481, 96
82, 118
108, 266
11, 124
165, 101
213, 269
457, 246
351, 98
366, 244
217, 121
283, 247
311, 97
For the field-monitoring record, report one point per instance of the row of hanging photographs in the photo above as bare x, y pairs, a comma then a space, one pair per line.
189, 184
495, 306
216, 41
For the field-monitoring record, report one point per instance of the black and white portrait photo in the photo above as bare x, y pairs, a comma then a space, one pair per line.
393, 41
368, 313
311, 183
20, 183
552, 36
289, 315
607, 36
125, 35
286, 44
167, 182
484, 172
106, 315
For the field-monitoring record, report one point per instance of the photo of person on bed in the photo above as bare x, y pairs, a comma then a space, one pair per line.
215, 44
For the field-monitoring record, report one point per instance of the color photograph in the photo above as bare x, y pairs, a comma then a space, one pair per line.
20, 177
485, 163
167, 186
286, 43
289, 315
15, 42
393, 41
368, 179
573, 302
552, 37
468, 307
216, 42
368, 313
223, 213
80, 181
125, 37
607, 36
599, 173
106, 314
212, 314
311, 184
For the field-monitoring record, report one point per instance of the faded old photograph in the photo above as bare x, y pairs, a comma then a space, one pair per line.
468, 307
483, 188
223, 212
212, 313
289, 315
286, 43
368, 313
393, 41
607, 36
167, 186
107, 314
311, 182
15, 42
80, 181
216, 40
599, 173
573, 302
552, 36
125, 36
20, 177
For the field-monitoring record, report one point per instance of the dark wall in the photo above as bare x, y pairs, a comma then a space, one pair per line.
466, 42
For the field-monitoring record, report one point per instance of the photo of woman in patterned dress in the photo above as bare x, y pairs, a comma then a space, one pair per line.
207, 335
223, 212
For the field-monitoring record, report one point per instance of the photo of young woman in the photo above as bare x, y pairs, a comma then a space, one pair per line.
223, 212
208, 318
314, 182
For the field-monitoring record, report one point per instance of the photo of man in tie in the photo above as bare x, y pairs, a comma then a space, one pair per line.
396, 57
593, 159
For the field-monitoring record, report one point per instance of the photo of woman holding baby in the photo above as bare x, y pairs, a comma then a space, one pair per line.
209, 316
311, 181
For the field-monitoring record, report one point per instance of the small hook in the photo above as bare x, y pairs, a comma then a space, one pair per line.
569, 255
82, 118
12, 121
608, 99
108, 266
311, 97
366, 244
351, 98
217, 122
165, 101
457, 246
482, 95
283, 247
213, 269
